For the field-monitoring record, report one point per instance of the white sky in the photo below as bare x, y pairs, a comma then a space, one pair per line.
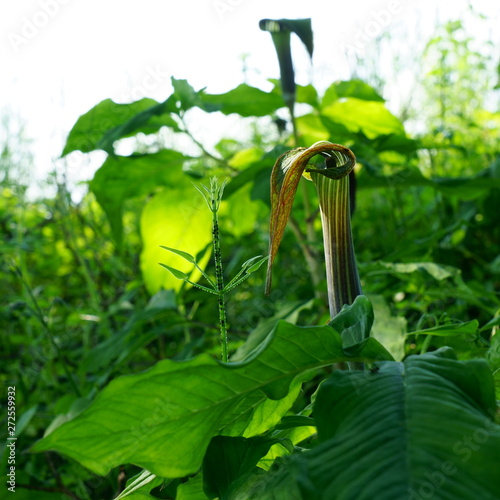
56, 66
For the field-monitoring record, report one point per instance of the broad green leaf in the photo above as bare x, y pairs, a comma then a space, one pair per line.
293, 421
77, 406
307, 94
437, 271
336, 129
368, 179
185, 95
143, 327
108, 121
281, 449
288, 312
492, 323
330, 96
243, 158
238, 214
493, 357
358, 89
369, 117
394, 142
176, 218
418, 429
462, 187
192, 490
244, 100
247, 176
103, 118
123, 177
349, 88
354, 321
276, 484
228, 460
148, 121
450, 329
389, 330
485, 300
311, 129
180, 406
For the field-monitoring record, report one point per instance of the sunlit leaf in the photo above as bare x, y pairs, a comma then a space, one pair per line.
180, 406
450, 329
358, 89
124, 177
103, 118
176, 218
245, 101
387, 328
370, 117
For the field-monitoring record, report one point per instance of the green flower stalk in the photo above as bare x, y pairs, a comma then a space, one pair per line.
331, 178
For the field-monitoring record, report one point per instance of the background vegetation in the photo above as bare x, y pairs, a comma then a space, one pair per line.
85, 301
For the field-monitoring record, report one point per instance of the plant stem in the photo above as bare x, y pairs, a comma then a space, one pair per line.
219, 160
68, 230
311, 258
40, 316
219, 279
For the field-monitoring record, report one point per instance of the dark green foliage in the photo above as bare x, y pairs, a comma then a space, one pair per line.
114, 359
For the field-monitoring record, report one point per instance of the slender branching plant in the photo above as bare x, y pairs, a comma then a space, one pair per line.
213, 196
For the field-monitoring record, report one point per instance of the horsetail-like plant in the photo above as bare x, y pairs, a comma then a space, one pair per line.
213, 197
331, 178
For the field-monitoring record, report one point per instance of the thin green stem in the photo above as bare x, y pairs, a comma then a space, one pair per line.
219, 279
95, 299
187, 332
41, 318
310, 257
220, 161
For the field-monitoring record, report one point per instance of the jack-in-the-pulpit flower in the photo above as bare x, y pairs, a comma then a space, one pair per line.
331, 178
